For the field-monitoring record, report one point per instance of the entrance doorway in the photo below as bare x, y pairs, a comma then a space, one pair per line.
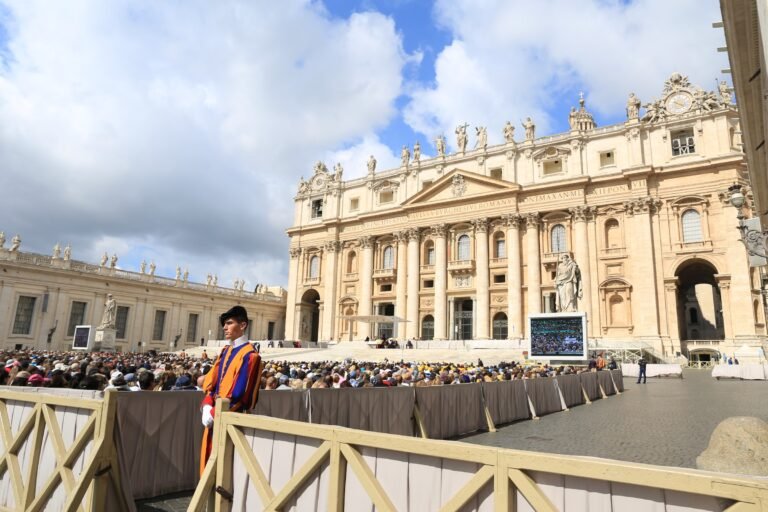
385, 330
699, 304
309, 322
462, 319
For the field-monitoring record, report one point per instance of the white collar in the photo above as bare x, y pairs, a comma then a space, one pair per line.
240, 341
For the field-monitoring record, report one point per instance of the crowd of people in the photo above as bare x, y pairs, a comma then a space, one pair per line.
179, 372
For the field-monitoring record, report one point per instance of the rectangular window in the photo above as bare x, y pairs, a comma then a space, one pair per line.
496, 174
354, 204
121, 321
429, 283
553, 167
192, 327
317, 208
22, 323
76, 316
386, 288
499, 278
607, 159
683, 143
158, 329
426, 184
386, 196
431, 256
501, 248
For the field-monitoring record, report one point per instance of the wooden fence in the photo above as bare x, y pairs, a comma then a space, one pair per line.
261, 463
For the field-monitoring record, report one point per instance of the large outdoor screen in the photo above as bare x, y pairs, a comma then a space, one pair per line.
558, 336
82, 337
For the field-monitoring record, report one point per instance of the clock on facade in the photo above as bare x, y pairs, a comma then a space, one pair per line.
679, 102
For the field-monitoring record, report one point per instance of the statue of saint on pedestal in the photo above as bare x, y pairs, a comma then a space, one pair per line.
152, 268
2, 239
568, 284
461, 138
113, 261
110, 313
67, 253
143, 268
633, 106
509, 132
371, 165
104, 259
530, 129
482, 137
417, 152
440, 145
56, 251
15, 243
405, 156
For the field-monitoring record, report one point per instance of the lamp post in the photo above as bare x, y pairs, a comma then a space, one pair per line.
754, 240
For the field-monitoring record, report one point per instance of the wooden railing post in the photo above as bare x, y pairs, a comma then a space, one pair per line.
223, 449
338, 469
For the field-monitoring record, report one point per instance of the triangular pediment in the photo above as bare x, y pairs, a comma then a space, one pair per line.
460, 184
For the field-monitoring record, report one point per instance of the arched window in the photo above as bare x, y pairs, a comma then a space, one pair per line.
429, 253
612, 234
314, 267
388, 259
500, 328
691, 226
694, 315
499, 246
351, 263
463, 248
428, 328
557, 242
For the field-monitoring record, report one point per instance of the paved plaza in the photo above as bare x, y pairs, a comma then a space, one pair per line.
666, 422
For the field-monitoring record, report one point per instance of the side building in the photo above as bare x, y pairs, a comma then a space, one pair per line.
43, 298
465, 245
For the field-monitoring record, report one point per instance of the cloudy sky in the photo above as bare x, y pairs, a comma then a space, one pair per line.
177, 131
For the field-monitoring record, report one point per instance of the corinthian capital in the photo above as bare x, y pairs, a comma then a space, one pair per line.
532, 220
413, 234
401, 236
438, 230
582, 213
332, 246
512, 220
295, 252
481, 225
365, 242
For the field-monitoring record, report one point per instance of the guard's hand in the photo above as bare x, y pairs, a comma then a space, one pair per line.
207, 416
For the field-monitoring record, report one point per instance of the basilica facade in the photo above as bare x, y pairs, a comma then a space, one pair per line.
465, 245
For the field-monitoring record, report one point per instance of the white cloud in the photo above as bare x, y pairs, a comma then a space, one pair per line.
512, 59
354, 159
180, 129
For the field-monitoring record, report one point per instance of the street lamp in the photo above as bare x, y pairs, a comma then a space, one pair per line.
754, 240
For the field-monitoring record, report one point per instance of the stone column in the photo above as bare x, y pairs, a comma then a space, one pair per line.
581, 253
724, 284
646, 318
514, 278
534, 263
291, 333
332, 249
475, 316
451, 318
441, 268
366, 282
401, 283
412, 327
483, 299
670, 297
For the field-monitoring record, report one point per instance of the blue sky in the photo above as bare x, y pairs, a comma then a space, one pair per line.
177, 131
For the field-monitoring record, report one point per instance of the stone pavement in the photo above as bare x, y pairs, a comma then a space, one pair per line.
666, 422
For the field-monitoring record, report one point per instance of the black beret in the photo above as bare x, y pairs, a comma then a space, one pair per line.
237, 312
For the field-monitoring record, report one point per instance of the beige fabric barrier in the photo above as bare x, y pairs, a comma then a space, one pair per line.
450, 411
605, 380
570, 387
506, 401
158, 438
286, 405
374, 409
544, 395
590, 385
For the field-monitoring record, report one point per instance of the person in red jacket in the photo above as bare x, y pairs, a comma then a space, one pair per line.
236, 375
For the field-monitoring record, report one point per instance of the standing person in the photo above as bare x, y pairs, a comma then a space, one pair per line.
235, 375
642, 363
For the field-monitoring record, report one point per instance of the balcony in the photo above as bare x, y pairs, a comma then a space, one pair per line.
461, 266
693, 247
693, 345
350, 276
428, 269
551, 259
384, 273
498, 262
613, 252
311, 281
